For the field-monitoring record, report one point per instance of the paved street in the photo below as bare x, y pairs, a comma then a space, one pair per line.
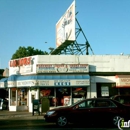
40, 125
26, 121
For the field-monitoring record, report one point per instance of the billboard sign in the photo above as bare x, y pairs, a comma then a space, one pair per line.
65, 27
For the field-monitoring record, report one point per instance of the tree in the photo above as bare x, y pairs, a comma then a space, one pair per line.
29, 51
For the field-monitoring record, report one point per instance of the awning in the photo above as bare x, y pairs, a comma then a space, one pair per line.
3, 82
48, 80
122, 81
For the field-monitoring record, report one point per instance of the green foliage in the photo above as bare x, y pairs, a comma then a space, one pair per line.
29, 51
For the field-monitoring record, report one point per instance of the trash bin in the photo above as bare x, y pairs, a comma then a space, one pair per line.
45, 105
35, 107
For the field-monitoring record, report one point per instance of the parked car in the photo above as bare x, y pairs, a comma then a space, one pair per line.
123, 99
90, 111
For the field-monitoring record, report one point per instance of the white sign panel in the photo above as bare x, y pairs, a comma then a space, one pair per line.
11, 84
123, 82
65, 27
85, 82
22, 65
105, 91
62, 68
30, 83
2, 84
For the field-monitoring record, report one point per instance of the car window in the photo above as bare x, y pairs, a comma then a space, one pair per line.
82, 105
87, 104
123, 99
104, 103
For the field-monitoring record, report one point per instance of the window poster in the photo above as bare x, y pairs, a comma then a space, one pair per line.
104, 91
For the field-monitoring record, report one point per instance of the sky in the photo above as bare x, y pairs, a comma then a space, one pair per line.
105, 23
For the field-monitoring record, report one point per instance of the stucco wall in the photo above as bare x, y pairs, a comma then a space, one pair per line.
97, 63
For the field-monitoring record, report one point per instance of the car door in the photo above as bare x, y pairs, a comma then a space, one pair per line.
81, 113
104, 111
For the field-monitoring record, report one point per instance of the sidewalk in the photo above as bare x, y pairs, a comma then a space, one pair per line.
22, 115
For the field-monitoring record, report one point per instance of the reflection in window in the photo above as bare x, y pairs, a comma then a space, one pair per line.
79, 92
82, 105
63, 96
48, 93
22, 96
105, 104
13, 96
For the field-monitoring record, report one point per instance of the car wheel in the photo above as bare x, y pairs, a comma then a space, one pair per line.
116, 119
62, 121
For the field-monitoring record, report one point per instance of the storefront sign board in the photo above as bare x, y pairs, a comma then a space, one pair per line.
62, 68
31, 83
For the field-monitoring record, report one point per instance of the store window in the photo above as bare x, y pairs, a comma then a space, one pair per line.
79, 93
124, 91
22, 96
63, 96
47, 93
13, 96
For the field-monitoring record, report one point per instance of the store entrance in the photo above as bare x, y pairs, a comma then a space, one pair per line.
63, 96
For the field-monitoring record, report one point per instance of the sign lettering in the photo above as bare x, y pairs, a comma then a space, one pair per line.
20, 62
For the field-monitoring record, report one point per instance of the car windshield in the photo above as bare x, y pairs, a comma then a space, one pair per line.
75, 103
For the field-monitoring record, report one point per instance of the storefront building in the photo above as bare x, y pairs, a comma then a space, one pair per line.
64, 80
61, 84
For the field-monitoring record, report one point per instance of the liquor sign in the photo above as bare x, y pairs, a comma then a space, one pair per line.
22, 65
20, 62
62, 68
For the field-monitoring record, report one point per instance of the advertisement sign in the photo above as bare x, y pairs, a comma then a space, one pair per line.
62, 68
22, 65
67, 101
123, 81
105, 91
65, 27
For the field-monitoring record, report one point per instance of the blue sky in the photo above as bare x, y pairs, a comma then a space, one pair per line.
106, 24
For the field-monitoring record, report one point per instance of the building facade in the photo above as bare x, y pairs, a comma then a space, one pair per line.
64, 79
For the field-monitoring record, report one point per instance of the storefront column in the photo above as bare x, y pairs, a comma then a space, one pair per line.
93, 90
71, 100
38, 97
16, 97
30, 100
9, 97
89, 92
37, 93
55, 95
